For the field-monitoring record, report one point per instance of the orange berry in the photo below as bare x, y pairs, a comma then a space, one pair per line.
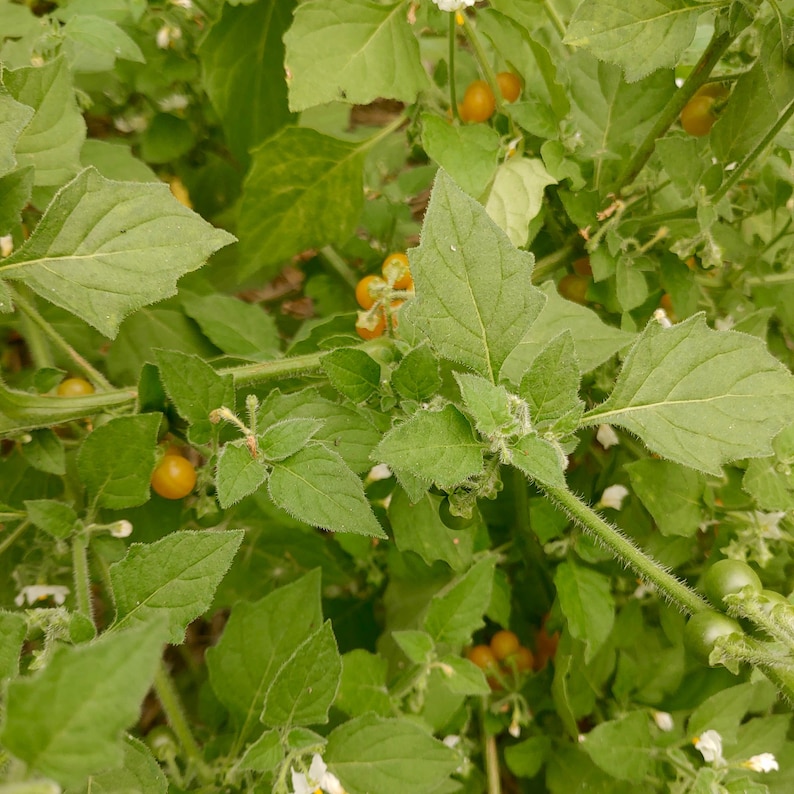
482, 656
380, 327
509, 86
478, 102
395, 266
523, 660
174, 477
504, 643
574, 287
367, 291
582, 266
74, 387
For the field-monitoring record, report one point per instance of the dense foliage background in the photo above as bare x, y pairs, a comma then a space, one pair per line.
515, 516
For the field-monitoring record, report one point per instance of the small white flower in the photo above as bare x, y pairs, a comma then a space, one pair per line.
451, 741
613, 496
127, 124
319, 778
173, 102
607, 437
724, 323
6, 245
766, 762
166, 35
709, 745
186, 4
663, 720
379, 472
38, 592
121, 529
660, 315
514, 730
453, 5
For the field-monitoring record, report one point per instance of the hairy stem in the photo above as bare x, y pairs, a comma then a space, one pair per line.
82, 577
453, 36
624, 549
11, 538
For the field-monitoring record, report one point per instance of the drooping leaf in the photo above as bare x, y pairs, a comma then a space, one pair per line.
239, 474
287, 437
66, 721
52, 138
92, 44
363, 684
116, 460
175, 577
352, 373
257, 640
390, 756
304, 190
85, 253
474, 298
640, 36
700, 397
516, 196
314, 485
457, 611
353, 50
539, 459
245, 83
306, 685
622, 747
139, 772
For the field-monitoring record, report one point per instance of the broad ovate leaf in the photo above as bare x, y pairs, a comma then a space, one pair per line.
474, 297
700, 397
353, 50
105, 248
640, 36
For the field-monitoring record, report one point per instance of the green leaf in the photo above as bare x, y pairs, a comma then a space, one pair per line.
264, 755
56, 518
468, 153
306, 685
390, 756
240, 329
418, 646
455, 613
539, 459
139, 772
344, 430
672, 494
352, 50
622, 747
239, 474
115, 161
416, 376
13, 628
52, 139
246, 83
116, 460
474, 298
487, 404
611, 115
287, 437
723, 712
66, 720
258, 638
463, 677
176, 577
700, 397
516, 196
315, 486
435, 445
526, 758
85, 253
92, 44
418, 528
15, 188
45, 452
363, 685
586, 601
770, 481
304, 190
352, 373
594, 341
760, 97
196, 390
167, 137
551, 384
640, 36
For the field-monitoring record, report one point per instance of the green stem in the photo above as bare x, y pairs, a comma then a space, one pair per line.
252, 374
491, 756
175, 714
453, 39
672, 110
33, 315
626, 551
740, 170
329, 255
551, 13
546, 265
524, 530
82, 577
9, 539
36, 341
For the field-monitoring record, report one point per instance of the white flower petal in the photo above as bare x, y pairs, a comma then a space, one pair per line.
606, 436
709, 745
765, 762
613, 496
